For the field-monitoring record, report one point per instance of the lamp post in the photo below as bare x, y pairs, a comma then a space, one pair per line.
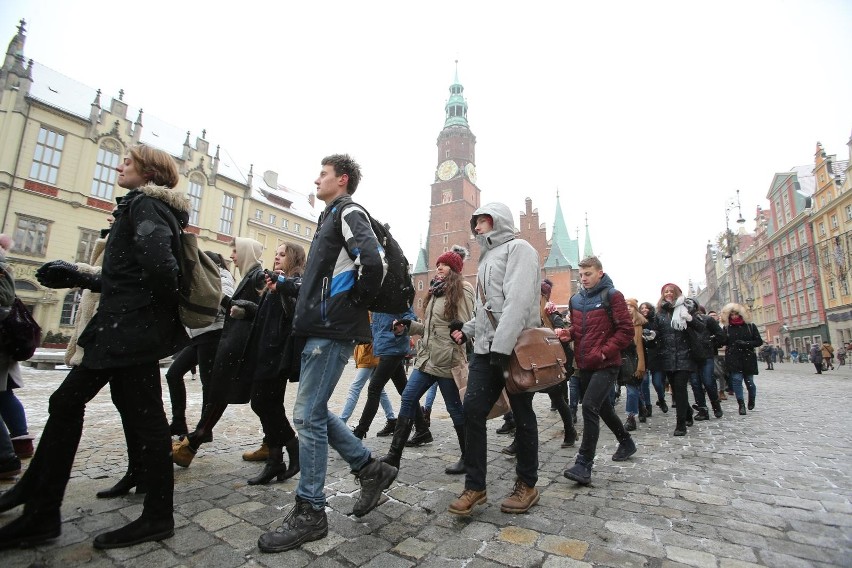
750, 302
731, 242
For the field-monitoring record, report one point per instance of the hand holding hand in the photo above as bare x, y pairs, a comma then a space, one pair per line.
59, 274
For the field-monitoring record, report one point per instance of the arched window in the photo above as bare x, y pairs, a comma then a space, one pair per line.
21, 285
196, 182
69, 308
103, 182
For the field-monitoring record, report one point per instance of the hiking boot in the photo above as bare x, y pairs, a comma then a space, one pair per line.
702, 414
419, 438
136, 532
259, 455
469, 499
630, 423
390, 426
581, 471
374, 478
742, 408
520, 499
508, 427
663, 406
717, 409
626, 448
302, 524
511, 449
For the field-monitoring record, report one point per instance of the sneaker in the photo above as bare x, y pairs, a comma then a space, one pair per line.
467, 501
630, 423
626, 448
390, 426
508, 427
374, 478
302, 524
259, 455
520, 499
511, 449
581, 471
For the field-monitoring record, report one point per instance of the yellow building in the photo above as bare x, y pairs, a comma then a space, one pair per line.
59, 145
831, 219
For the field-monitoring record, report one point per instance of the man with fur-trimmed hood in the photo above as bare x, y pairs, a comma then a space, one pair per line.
136, 325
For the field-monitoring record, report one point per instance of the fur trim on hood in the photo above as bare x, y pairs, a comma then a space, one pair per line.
176, 200
734, 307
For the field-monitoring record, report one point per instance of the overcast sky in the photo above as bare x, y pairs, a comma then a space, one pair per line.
647, 116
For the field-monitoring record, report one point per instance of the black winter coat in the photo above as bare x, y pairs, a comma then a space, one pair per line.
739, 353
706, 342
137, 319
674, 353
224, 387
652, 348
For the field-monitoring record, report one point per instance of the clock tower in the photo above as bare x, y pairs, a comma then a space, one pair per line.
454, 195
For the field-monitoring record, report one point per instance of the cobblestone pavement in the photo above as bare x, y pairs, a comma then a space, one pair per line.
768, 489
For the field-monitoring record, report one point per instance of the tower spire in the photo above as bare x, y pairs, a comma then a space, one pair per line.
564, 251
587, 245
456, 107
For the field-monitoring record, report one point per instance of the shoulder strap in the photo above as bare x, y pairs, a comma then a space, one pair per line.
481, 291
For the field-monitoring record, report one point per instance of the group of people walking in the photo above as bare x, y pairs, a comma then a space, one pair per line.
301, 322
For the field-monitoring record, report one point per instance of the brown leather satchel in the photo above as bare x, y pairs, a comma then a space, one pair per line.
537, 360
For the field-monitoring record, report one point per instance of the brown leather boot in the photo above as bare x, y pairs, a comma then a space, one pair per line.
467, 501
258, 455
520, 499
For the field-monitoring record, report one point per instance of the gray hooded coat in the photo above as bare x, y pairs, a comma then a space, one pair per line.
510, 274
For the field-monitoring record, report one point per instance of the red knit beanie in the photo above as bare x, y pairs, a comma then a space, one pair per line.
453, 258
678, 291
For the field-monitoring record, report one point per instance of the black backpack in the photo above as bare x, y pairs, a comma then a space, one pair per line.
396, 294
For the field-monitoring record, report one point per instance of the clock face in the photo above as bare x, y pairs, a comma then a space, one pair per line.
470, 170
447, 170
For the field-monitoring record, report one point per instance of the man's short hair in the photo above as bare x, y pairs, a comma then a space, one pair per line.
344, 164
591, 262
156, 166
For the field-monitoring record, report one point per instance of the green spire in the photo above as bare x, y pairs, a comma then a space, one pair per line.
422, 264
456, 107
587, 248
564, 251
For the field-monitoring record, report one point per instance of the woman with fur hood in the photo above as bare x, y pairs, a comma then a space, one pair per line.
673, 315
241, 309
740, 358
136, 325
450, 299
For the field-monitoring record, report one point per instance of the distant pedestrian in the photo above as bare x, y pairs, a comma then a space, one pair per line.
816, 358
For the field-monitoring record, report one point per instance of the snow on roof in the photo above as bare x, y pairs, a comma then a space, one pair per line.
62, 92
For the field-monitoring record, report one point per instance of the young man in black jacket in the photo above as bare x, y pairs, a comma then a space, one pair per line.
342, 276
136, 325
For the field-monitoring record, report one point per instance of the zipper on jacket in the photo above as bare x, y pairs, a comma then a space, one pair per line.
323, 296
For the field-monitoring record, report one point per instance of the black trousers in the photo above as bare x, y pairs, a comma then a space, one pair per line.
390, 368
267, 401
596, 392
201, 352
484, 385
679, 381
137, 394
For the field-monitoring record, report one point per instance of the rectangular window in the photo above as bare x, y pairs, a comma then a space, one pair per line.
69, 308
104, 180
802, 307
832, 293
285, 224
31, 235
793, 309
194, 201
812, 305
272, 218
297, 227
307, 231
86, 245
783, 308
258, 215
48, 154
849, 212
822, 229
834, 223
226, 218
844, 285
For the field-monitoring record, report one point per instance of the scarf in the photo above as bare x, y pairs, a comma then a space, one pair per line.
680, 315
437, 287
736, 320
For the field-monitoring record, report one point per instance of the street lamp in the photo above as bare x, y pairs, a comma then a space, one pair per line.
731, 241
750, 302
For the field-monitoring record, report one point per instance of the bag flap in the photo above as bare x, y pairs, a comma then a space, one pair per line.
538, 347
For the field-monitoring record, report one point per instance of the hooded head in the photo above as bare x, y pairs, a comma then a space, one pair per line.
248, 254
503, 226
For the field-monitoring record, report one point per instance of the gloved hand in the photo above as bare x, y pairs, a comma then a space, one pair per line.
456, 325
687, 316
243, 309
61, 274
406, 323
649, 334
690, 305
500, 361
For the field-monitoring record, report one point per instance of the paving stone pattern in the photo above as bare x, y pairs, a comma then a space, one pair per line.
768, 489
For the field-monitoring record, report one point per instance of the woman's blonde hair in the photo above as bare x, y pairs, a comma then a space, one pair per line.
294, 259
638, 318
737, 309
155, 166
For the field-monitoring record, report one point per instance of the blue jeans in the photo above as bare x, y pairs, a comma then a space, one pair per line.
703, 380
659, 380
574, 391
362, 375
645, 389
430, 396
7, 450
13, 413
323, 361
419, 383
737, 378
632, 404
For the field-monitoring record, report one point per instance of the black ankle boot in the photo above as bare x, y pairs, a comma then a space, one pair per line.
717, 409
122, 487
750, 402
397, 445
30, 529
292, 455
458, 468
419, 438
742, 408
141, 530
12, 498
275, 467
